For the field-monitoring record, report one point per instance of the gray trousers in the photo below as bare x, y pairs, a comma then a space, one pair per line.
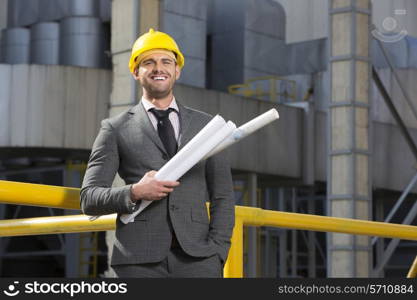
177, 264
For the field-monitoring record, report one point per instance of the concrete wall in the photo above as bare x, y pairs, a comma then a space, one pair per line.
52, 106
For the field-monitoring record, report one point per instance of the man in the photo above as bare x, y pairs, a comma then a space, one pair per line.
173, 236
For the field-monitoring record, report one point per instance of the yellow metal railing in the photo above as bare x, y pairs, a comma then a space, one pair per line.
251, 216
413, 270
266, 86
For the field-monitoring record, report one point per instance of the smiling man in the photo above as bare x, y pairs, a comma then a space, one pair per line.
173, 236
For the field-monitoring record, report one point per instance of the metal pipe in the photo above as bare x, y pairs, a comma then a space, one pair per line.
234, 264
63, 197
54, 225
39, 195
253, 216
250, 216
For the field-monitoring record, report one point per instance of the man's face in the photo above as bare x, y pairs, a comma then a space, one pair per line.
157, 74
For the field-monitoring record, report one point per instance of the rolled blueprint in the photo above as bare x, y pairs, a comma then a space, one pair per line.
205, 141
245, 130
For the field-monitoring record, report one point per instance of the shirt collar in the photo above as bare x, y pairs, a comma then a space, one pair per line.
148, 105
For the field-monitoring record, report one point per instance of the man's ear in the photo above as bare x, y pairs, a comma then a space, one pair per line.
177, 72
135, 73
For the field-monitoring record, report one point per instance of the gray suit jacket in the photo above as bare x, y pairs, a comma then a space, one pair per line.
129, 144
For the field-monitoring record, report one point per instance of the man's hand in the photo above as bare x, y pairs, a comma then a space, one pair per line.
148, 188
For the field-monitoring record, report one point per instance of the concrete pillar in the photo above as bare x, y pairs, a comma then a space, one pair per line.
348, 178
130, 18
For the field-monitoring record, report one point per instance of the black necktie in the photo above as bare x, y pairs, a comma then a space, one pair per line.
165, 130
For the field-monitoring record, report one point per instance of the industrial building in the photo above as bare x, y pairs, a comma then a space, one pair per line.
341, 73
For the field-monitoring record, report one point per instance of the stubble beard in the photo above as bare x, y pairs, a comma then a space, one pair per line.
156, 93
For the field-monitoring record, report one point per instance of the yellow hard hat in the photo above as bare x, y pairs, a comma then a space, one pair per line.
154, 40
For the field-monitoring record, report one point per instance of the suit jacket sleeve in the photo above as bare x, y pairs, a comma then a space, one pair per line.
97, 195
222, 210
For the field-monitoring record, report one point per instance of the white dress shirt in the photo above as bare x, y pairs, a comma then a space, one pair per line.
173, 117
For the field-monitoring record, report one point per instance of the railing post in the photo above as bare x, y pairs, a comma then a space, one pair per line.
413, 270
234, 264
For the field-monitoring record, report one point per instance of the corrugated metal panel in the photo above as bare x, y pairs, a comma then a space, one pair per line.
52, 106
5, 86
15, 43
36, 111
19, 91
44, 47
81, 42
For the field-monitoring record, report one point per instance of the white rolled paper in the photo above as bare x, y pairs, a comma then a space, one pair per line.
205, 141
245, 130
213, 138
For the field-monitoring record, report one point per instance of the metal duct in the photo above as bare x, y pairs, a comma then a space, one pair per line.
186, 22
105, 10
247, 37
44, 48
81, 42
15, 44
22, 13
52, 10
84, 8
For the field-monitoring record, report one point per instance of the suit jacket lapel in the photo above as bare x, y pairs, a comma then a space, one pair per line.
142, 118
185, 118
